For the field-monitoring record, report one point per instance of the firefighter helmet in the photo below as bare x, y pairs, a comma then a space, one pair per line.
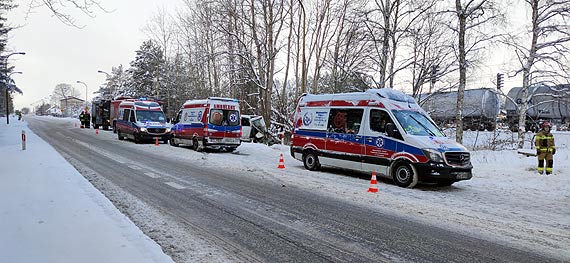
546, 124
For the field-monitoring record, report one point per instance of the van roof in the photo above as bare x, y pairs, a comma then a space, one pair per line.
150, 105
208, 100
384, 98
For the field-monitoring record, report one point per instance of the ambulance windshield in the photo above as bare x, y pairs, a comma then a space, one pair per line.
152, 116
415, 123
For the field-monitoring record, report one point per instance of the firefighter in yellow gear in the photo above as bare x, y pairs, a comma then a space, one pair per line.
545, 149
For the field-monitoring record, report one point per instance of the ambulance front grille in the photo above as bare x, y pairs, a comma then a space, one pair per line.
156, 130
458, 158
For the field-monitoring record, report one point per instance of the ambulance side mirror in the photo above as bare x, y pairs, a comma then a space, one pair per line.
392, 131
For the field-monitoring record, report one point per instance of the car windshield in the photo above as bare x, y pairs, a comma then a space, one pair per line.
224, 117
415, 123
153, 116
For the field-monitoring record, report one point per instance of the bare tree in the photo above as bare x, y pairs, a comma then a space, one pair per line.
472, 16
62, 91
546, 57
431, 52
61, 10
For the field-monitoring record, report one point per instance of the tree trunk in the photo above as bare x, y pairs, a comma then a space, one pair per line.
267, 109
385, 45
394, 45
462, 73
526, 75
284, 91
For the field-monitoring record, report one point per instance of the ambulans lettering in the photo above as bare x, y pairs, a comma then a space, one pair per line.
224, 107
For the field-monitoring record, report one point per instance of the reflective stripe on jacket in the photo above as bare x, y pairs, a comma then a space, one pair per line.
544, 141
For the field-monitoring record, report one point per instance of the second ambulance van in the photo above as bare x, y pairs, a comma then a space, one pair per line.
382, 130
208, 123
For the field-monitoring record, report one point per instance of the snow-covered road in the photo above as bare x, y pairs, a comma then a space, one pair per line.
506, 201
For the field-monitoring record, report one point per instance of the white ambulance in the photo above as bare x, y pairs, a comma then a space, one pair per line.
208, 123
381, 130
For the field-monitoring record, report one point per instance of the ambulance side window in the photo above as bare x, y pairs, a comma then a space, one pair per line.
126, 114
378, 120
345, 120
177, 119
133, 116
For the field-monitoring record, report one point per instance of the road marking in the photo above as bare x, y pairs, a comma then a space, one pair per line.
175, 185
134, 167
152, 175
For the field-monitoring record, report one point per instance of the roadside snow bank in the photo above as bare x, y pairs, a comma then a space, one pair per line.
50, 213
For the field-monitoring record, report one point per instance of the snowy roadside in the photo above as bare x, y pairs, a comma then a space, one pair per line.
50, 213
506, 201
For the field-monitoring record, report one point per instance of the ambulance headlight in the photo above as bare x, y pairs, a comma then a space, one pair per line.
433, 155
143, 129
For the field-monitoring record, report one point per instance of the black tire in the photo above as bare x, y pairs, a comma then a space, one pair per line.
404, 175
445, 183
311, 161
120, 136
231, 149
172, 142
137, 138
195, 145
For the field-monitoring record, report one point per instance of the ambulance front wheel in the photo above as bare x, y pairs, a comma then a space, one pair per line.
120, 136
311, 161
404, 175
173, 142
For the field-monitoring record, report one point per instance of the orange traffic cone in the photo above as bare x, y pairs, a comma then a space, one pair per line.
281, 162
373, 188
96, 131
156, 141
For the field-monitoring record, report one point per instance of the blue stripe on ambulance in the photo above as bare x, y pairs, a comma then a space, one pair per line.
388, 144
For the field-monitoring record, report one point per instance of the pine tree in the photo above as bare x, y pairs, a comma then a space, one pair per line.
146, 71
5, 6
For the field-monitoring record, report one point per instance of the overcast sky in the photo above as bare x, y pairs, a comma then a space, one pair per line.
56, 53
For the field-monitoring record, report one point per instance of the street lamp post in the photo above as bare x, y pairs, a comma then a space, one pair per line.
109, 85
7, 94
79, 81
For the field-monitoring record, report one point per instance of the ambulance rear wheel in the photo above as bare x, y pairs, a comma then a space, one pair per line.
195, 145
404, 175
311, 161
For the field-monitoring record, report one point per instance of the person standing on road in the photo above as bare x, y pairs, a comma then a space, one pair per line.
87, 119
82, 119
545, 149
